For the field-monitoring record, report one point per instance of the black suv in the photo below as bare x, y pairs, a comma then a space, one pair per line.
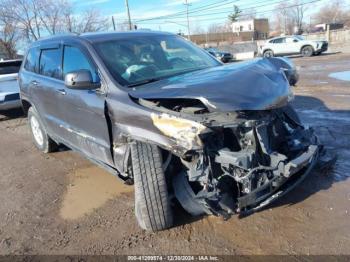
159, 112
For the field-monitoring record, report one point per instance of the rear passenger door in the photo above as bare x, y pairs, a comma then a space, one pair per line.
83, 111
45, 86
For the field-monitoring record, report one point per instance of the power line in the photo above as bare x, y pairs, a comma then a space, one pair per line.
260, 12
227, 12
184, 12
212, 6
242, 9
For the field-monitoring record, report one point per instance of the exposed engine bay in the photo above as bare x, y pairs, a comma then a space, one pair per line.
245, 162
242, 167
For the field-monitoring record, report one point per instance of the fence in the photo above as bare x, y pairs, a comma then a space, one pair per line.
339, 36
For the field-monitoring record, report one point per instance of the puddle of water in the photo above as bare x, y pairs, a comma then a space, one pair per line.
345, 76
89, 189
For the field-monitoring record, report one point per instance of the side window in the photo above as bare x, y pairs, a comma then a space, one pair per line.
74, 60
290, 40
31, 63
279, 40
50, 63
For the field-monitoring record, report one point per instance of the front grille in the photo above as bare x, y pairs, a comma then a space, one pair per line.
324, 46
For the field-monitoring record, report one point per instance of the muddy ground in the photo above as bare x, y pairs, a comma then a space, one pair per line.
62, 204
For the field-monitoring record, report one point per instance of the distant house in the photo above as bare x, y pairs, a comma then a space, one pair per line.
253, 29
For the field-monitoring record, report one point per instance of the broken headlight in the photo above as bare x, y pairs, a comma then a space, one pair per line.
185, 132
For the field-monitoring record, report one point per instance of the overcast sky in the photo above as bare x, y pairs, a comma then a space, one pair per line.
143, 9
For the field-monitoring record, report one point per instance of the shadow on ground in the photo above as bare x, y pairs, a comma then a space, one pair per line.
314, 56
11, 114
332, 130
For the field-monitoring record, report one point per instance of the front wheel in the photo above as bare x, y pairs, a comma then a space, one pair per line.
307, 51
41, 139
152, 204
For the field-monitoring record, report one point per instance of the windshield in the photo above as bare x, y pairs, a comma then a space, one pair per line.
138, 60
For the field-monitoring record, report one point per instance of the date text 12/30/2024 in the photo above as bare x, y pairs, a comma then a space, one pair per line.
173, 258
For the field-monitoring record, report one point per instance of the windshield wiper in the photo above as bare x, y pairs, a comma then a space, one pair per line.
143, 82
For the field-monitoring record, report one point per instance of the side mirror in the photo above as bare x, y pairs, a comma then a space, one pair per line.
81, 79
295, 41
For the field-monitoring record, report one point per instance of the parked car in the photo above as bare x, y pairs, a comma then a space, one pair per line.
224, 57
9, 88
291, 45
159, 112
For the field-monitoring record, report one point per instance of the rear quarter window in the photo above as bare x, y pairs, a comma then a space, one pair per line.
31, 63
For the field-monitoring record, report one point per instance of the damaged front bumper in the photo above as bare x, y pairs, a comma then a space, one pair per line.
246, 167
294, 172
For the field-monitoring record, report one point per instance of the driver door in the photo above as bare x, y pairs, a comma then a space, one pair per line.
292, 45
84, 121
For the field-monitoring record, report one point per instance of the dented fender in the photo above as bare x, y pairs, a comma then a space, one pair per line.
130, 122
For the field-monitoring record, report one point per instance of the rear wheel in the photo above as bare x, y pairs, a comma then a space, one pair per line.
307, 51
268, 53
152, 205
41, 139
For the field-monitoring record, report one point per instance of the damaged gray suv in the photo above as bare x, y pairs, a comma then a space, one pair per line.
164, 115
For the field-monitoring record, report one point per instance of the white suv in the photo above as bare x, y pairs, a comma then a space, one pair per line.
290, 45
9, 88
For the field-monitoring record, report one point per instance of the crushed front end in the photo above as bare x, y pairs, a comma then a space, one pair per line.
246, 164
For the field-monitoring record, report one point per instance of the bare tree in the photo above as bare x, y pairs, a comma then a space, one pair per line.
92, 21
89, 21
51, 14
33, 19
333, 12
8, 37
289, 17
298, 10
197, 29
217, 28
283, 22
247, 14
24, 15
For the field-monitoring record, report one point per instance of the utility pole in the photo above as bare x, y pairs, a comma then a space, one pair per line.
188, 21
128, 11
113, 23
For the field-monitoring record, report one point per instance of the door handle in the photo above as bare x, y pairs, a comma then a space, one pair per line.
61, 91
34, 83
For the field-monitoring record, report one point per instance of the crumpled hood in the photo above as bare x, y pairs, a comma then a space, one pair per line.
254, 85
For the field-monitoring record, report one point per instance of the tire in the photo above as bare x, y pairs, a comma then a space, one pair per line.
268, 54
152, 206
307, 51
39, 135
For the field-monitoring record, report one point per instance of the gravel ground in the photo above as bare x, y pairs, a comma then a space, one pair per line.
62, 204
